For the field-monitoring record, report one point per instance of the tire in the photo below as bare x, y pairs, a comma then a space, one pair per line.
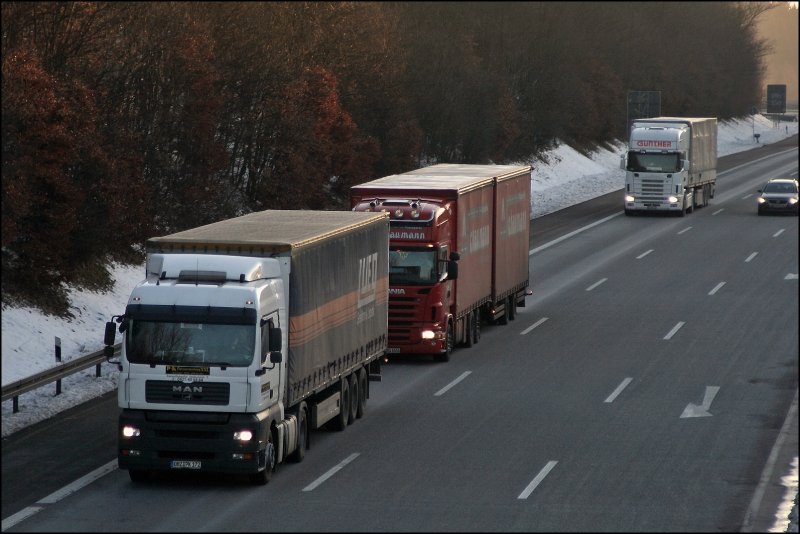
512, 308
264, 476
340, 421
302, 436
682, 212
362, 393
476, 327
448, 344
468, 338
139, 475
504, 319
354, 395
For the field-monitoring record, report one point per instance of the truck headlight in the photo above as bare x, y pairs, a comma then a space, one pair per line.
629, 198
243, 435
129, 431
673, 199
427, 334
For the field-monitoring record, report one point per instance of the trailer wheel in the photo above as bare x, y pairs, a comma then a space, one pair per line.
340, 421
354, 395
476, 327
362, 393
302, 435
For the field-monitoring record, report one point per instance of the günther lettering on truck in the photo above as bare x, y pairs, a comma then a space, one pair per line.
245, 335
458, 251
670, 165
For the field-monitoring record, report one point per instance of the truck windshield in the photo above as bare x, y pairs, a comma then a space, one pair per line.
412, 267
167, 343
638, 162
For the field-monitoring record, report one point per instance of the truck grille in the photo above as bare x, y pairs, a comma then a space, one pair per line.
401, 317
652, 189
162, 391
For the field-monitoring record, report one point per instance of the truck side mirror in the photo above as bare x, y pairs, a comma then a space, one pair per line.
623, 161
110, 334
452, 270
685, 164
276, 357
275, 339
455, 256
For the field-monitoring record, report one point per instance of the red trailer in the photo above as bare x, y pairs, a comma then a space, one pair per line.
458, 251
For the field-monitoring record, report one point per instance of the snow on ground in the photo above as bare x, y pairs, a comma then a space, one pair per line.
28, 336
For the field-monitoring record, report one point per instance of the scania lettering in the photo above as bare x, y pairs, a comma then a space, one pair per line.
245, 335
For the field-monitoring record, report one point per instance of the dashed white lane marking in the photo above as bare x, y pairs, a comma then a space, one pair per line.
750, 257
536, 481
596, 284
685, 230
534, 325
451, 384
674, 329
619, 389
332, 471
716, 288
643, 254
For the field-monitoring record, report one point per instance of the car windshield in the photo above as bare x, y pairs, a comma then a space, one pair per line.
163, 342
780, 187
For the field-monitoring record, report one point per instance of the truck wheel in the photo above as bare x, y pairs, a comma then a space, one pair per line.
139, 475
302, 436
469, 328
362, 393
448, 344
512, 308
354, 394
262, 477
340, 421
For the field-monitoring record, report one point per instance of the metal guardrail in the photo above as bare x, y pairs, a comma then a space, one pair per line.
55, 374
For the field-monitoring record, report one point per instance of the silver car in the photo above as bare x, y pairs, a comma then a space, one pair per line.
778, 195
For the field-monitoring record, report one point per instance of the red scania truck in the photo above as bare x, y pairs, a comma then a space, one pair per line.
458, 251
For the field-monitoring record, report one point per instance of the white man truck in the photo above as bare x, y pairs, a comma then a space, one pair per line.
671, 165
245, 335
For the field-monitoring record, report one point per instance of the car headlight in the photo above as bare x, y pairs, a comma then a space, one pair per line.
792, 200
761, 200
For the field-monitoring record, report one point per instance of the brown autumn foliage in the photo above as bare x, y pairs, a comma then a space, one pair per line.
123, 120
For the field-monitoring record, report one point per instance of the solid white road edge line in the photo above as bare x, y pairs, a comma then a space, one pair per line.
536, 481
573, 233
451, 384
332, 471
57, 495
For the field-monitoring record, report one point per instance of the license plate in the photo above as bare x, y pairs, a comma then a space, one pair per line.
185, 464
392, 350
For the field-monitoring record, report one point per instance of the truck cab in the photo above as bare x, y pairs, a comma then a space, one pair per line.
422, 269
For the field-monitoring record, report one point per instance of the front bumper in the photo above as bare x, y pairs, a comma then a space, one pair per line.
199, 441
